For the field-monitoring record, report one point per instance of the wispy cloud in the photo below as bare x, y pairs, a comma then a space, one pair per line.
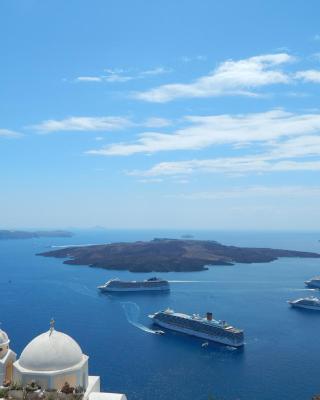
310, 75
155, 71
205, 131
7, 133
188, 59
302, 146
252, 192
315, 56
104, 123
294, 154
150, 180
118, 75
89, 79
227, 165
283, 141
105, 78
230, 78
155, 122
108, 123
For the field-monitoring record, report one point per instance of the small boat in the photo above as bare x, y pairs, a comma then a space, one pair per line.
159, 332
205, 344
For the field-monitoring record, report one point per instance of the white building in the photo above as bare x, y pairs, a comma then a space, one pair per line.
7, 358
52, 359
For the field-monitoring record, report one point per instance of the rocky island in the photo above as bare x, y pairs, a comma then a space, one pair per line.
164, 255
11, 234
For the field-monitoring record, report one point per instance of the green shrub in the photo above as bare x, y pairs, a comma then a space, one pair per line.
51, 396
79, 389
32, 387
4, 393
15, 386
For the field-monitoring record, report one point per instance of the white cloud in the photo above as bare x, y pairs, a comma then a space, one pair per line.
302, 146
155, 122
116, 78
296, 94
104, 123
315, 56
288, 143
206, 131
253, 192
119, 75
230, 78
89, 79
288, 155
113, 75
9, 133
108, 123
187, 59
231, 166
311, 75
156, 71
155, 180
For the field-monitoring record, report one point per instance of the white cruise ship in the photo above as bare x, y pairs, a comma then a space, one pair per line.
151, 284
205, 328
312, 303
314, 282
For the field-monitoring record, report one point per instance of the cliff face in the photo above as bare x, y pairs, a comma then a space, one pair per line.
163, 255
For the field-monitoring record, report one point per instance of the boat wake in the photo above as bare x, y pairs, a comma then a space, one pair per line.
82, 289
192, 281
301, 289
231, 348
132, 312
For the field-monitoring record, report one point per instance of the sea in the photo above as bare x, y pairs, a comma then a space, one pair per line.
280, 359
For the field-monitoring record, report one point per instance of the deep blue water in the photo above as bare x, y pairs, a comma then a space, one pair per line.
281, 356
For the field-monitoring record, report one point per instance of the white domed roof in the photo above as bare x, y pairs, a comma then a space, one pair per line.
51, 351
3, 338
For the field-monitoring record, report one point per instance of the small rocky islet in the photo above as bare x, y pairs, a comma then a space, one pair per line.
6, 234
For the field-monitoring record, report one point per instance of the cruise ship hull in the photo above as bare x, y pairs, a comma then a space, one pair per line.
133, 289
313, 284
201, 335
317, 308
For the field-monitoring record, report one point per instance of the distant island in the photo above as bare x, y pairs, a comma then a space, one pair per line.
164, 255
11, 234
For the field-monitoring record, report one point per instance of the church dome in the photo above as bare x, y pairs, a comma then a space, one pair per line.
51, 351
3, 338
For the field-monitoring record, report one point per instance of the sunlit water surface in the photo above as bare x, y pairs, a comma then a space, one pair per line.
281, 356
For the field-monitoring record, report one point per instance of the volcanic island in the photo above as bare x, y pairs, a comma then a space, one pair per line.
165, 255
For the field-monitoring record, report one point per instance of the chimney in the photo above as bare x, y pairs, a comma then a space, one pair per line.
209, 316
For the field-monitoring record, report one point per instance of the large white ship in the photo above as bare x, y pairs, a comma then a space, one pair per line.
151, 284
205, 328
314, 282
312, 303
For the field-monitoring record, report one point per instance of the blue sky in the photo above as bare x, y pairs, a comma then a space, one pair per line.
160, 114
